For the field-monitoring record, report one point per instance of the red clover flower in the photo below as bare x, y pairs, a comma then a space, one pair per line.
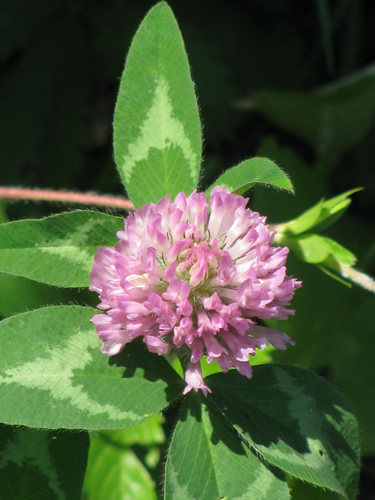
194, 276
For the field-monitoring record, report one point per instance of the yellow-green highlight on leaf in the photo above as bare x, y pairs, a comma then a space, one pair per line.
52, 373
242, 177
331, 257
157, 131
339, 253
51, 362
172, 133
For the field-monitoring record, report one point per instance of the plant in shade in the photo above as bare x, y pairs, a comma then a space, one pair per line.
198, 278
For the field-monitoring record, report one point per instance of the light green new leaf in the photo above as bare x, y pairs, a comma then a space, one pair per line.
303, 222
320, 216
316, 249
53, 374
207, 460
58, 250
295, 421
244, 176
41, 465
157, 131
334, 208
311, 248
339, 253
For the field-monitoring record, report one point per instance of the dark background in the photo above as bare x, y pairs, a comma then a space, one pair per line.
291, 80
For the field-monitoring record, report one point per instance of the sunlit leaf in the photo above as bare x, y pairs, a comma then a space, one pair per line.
320, 216
157, 131
247, 174
311, 248
58, 250
305, 221
53, 374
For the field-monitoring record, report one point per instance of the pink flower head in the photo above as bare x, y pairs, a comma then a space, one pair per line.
194, 275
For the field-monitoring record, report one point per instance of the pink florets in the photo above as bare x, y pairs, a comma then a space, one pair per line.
194, 276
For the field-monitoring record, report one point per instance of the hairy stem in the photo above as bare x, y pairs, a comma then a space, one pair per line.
65, 197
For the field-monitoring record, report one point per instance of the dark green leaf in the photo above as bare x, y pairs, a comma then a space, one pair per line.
207, 460
324, 119
53, 374
294, 420
41, 465
25, 295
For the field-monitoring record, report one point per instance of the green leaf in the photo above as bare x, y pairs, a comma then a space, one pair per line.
338, 342
311, 248
295, 421
334, 208
339, 253
51, 362
157, 131
58, 250
320, 216
127, 471
25, 295
343, 272
303, 222
42, 465
242, 177
207, 460
300, 490
146, 434
125, 475
324, 118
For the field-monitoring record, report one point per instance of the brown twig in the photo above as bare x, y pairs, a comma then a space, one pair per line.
66, 197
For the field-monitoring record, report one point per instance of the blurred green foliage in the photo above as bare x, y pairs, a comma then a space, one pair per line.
291, 81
